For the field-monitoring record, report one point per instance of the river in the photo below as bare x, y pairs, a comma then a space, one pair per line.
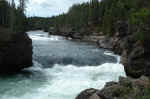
62, 69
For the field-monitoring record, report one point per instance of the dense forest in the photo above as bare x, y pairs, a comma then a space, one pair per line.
98, 16
35, 23
121, 26
104, 16
15, 44
12, 16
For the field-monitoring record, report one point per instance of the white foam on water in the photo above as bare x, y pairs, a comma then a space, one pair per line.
65, 82
109, 53
43, 36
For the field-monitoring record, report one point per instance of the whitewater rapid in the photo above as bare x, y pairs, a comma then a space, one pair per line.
60, 81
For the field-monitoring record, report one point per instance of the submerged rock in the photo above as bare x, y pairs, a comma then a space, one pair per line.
15, 51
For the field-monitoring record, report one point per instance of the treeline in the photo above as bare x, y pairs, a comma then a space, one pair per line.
36, 23
12, 16
106, 16
80, 15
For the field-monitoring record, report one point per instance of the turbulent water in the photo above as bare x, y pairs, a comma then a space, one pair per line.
62, 68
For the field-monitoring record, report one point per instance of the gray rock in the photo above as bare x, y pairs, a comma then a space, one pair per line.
94, 96
106, 43
87, 94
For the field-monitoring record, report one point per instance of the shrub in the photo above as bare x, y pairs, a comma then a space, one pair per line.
141, 22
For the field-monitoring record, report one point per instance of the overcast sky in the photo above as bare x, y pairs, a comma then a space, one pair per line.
46, 8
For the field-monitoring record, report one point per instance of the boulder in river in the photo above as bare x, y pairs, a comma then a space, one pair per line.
15, 51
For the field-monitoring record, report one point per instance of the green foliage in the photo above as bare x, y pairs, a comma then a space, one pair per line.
4, 13
146, 94
141, 20
129, 90
79, 16
35, 23
12, 17
140, 17
102, 16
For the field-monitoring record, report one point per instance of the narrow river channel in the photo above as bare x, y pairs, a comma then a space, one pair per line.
62, 68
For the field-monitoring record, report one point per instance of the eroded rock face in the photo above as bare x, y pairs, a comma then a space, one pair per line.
15, 52
135, 62
88, 94
126, 88
133, 56
106, 43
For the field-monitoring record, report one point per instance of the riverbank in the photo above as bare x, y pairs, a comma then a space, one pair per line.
135, 64
126, 88
133, 59
122, 43
58, 64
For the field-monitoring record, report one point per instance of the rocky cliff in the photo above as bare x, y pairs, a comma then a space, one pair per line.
132, 51
126, 88
135, 58
15, 51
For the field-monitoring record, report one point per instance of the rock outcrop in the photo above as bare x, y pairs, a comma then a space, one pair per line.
132, 51
126, 88
106, 43
135, 58
88, 94
15, 51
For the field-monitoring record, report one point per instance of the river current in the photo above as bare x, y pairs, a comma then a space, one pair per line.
62, 69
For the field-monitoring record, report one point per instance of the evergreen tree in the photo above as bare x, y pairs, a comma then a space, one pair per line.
13, 17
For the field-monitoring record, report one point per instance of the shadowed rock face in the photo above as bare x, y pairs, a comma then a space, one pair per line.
135, 58
15, 52
126, 88
135, 62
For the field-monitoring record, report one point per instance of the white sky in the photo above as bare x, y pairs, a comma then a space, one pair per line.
46, 8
